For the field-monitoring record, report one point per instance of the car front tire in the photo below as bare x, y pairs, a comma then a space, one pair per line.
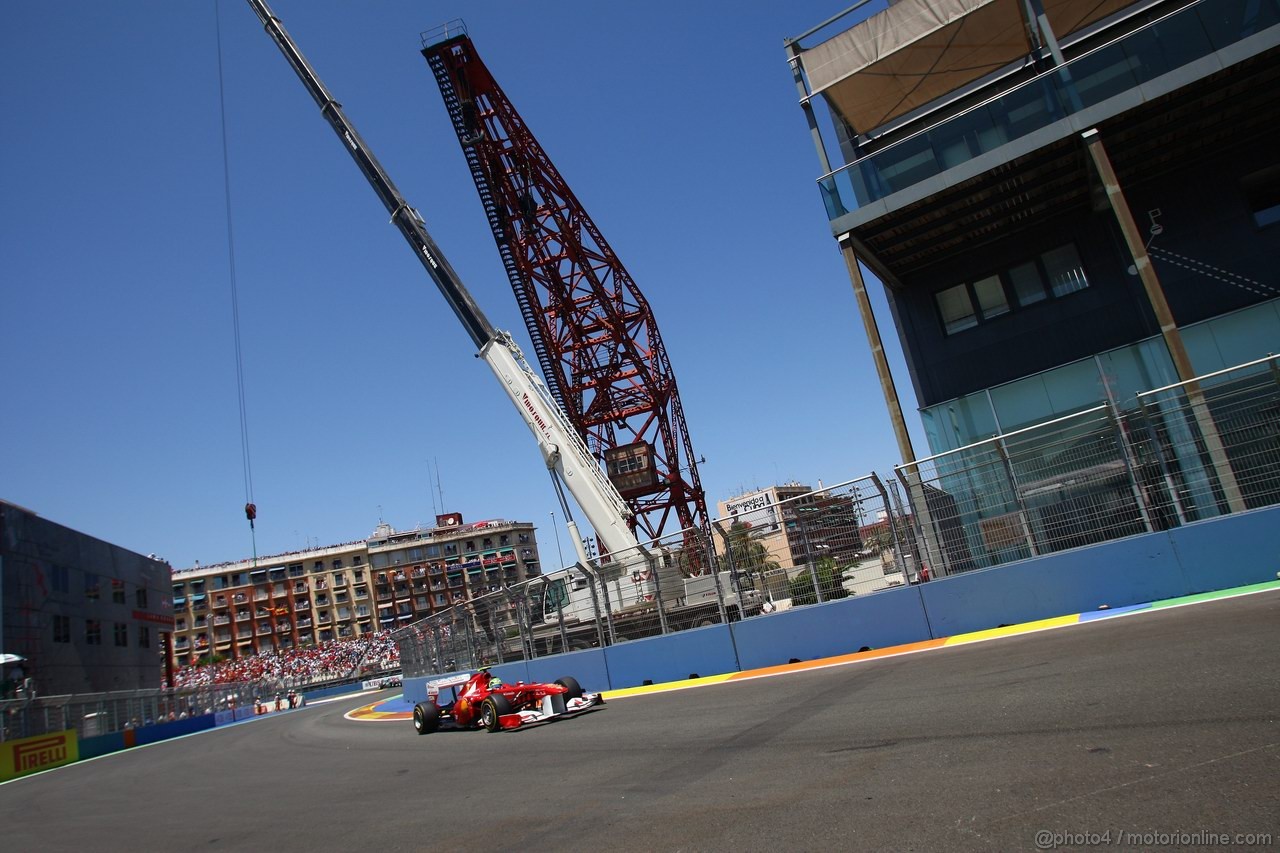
493, 709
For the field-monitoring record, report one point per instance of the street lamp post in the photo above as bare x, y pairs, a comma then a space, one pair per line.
556, 529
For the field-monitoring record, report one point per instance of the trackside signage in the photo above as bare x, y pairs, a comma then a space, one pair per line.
20, 757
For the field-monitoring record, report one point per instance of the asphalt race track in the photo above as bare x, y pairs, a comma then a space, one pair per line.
1164, 722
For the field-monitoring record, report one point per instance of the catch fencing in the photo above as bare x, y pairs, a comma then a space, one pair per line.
92, 714
804, 548
1185, 452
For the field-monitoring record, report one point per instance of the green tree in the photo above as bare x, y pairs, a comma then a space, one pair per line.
829, 578
750, 558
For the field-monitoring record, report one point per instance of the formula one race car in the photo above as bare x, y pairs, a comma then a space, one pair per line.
482, 700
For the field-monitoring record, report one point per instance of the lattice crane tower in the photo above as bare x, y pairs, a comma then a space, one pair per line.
593, 333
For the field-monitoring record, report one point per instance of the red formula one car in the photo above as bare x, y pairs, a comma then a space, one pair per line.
482, 700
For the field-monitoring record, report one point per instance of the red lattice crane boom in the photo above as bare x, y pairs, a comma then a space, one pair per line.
593, 332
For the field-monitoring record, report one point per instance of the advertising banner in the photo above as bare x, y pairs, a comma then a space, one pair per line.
31, 754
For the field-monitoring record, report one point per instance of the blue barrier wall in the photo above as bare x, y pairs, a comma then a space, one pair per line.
1216, 554
164, 731
697, 651
1127, 571
92, 747
1233, 551
887, 618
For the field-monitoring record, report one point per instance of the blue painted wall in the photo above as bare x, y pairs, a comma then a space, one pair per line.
881, 619
697, 651
92, 747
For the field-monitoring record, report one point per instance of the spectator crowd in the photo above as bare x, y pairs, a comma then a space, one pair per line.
333, 659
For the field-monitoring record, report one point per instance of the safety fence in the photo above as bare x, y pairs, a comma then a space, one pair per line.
92, 714
776, 552
1185, 452
1177, 454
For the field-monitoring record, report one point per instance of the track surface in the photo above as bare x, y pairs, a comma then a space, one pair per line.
1161, 722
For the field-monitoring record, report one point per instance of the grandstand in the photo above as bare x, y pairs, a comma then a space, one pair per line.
334, 660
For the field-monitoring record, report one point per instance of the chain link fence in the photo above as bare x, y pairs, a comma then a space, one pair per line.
1182, 453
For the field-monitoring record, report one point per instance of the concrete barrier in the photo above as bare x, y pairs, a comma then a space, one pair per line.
880, 619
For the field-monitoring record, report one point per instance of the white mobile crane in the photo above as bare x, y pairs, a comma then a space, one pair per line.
565, 454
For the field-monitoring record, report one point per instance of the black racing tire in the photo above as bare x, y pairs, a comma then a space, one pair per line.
575, 689
492, 709
426, 717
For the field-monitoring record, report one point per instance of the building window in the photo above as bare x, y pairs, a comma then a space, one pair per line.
61, 628
1065, 272
991, 298
144, 636
956, 309
1028, 284
140, 598
121, 634
91, 588
1262, 190
92, 632
1053, 274
61, 579
117, 591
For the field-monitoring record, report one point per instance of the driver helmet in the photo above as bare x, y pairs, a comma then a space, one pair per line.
494, 682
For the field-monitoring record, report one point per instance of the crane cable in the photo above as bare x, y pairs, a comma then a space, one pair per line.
250, 508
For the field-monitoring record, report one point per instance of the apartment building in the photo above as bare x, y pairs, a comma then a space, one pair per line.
306, 597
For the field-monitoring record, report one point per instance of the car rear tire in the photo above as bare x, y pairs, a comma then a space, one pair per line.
575, 689
492, 710
426, 717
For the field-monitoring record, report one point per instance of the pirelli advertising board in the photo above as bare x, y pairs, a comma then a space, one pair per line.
30, 754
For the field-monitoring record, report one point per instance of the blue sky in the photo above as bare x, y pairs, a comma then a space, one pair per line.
676, 124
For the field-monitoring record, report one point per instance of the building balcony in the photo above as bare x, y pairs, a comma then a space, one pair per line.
221, 620
302, 604
261, 595
239, 598
263, 630
181, 643
1080, 85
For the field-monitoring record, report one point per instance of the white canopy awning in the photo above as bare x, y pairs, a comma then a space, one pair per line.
912, 53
